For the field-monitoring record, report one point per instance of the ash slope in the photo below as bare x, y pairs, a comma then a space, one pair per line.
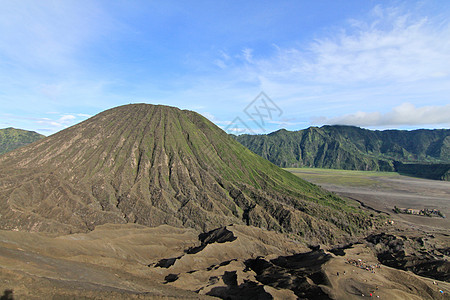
157, 165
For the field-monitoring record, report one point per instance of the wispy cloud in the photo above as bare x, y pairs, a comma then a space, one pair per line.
51, 124
248, 54
209, 116
392, 45
84, 115
378, 61
404, 114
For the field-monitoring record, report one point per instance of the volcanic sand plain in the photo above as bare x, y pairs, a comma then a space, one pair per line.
127, 261
382, 191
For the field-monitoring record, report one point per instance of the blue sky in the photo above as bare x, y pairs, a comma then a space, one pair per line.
374, 64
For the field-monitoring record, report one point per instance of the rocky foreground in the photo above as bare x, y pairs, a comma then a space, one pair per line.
234, 262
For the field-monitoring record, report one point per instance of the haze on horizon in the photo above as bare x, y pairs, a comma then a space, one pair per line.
373, 64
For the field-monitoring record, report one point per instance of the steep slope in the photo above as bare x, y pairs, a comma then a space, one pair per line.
348, 147
11, 138
157, 165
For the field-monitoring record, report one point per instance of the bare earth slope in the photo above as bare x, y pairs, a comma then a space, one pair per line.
156, 165
128, 261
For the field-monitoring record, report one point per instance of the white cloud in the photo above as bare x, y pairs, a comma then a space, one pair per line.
63, 121
284, 123
223, 59
408, 50
236, 130
220, 63
67, 118
390, 47
404, 114
225, 56
209, 116
391, 56
84, 115
51, 124
248, 54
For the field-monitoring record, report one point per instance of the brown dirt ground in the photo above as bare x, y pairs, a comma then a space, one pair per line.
120, 262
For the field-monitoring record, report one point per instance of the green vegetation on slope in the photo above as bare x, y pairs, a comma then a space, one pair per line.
429, 171
11, 138
350, 148
157, 165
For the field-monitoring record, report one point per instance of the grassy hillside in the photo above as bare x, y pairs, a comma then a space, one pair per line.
429, 171
11, 138
157, 165
350, 148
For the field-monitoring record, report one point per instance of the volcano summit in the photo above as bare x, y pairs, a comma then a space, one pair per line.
153, 165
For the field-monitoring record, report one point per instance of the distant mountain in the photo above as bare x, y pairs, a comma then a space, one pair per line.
11, 138
157, 165
350, 148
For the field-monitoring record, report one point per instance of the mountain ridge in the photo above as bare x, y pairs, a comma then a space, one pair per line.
13, 138
350, 147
